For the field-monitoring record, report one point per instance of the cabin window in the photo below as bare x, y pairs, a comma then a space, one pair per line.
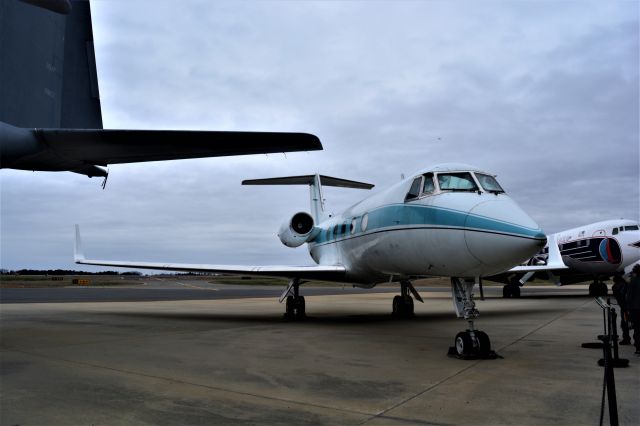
414, 191
365, 222
489, 183
428, 186
343, 228
615, 231
631, 228
353, 226
335, 231
456, 182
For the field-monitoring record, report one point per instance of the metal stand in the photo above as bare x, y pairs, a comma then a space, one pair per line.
611, 331
609, 344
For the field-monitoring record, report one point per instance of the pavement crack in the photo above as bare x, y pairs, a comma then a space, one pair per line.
552, 320
382, 413
199, 385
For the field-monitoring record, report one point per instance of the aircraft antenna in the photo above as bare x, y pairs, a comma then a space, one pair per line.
104, 182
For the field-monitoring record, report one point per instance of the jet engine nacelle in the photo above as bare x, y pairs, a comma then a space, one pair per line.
297, 231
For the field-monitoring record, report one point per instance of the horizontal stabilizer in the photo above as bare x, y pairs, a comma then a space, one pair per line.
308, 180
107, 146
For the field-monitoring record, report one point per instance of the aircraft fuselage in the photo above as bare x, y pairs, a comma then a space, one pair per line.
460, 234
601, 248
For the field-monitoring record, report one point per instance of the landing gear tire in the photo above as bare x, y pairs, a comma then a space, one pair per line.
515, 292
295, 308
402, 307
511, 290
464, 344
473, 345
506, 292
484, 344
598, 289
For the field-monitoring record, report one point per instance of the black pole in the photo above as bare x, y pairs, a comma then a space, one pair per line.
609, 378
614, 337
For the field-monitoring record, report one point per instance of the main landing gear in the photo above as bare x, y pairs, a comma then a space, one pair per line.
597, 288
295, 306
512, 289
403, 304
472, 343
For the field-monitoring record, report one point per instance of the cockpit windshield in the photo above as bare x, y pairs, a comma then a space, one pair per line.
489, 183
462, 181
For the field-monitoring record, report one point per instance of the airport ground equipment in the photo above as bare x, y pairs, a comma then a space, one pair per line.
451, 220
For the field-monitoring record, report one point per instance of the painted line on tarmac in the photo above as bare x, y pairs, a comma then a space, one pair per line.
195, 286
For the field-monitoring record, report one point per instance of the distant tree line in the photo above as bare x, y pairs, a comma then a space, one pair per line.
64, 272
72, 272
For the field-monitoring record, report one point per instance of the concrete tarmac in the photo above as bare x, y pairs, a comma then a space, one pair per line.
236, 361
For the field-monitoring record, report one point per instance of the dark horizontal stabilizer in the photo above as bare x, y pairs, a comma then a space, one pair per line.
104, 147
308, 180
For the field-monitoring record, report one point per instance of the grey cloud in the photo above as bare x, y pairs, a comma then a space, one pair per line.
545, 95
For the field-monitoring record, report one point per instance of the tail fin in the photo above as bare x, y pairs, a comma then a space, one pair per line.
78, 253
315, 183
47, 65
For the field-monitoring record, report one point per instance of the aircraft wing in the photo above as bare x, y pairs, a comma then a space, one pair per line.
318, 272
107, 146
554, 260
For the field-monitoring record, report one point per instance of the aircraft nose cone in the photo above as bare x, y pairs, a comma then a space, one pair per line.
500, 235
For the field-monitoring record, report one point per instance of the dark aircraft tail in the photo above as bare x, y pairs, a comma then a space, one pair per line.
50, 117
47, 65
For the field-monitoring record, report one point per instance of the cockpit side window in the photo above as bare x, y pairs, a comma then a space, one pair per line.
615, 231
457, 182
428, 186
414, 191
489, 183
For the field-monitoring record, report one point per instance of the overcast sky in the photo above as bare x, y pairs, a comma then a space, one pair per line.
544, 94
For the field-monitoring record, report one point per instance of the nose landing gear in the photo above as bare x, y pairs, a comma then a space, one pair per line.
472, 343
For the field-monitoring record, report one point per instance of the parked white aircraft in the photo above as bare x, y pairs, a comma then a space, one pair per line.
594, 251
450, 220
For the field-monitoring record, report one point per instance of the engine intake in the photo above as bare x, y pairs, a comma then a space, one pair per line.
297, 231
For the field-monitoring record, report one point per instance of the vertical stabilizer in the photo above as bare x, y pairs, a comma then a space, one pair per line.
80, 107
47, 65
317, 199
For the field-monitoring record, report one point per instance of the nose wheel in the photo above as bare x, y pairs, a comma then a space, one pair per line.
469, 344
472, 343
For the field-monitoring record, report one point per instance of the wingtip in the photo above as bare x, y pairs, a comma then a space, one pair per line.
78, 254
311, 141
555, 257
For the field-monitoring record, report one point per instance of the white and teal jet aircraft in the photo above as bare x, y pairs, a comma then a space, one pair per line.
450, 220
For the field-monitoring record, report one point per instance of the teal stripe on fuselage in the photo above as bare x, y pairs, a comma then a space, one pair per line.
402, 215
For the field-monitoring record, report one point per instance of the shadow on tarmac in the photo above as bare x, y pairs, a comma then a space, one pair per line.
321, 320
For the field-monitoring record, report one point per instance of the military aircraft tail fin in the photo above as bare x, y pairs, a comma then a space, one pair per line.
47, 65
